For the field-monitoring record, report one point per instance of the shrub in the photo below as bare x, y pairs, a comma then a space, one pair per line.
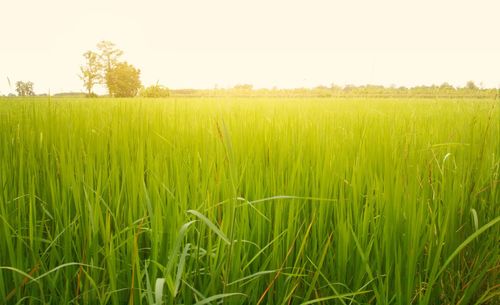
155, 91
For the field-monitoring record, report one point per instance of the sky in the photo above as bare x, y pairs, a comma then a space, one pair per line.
203, 44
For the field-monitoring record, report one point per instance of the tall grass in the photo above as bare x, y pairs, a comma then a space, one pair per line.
249, 201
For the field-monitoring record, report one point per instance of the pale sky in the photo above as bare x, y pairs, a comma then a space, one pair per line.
200, 44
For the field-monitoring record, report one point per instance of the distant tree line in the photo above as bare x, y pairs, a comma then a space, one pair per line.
434, 91
122, 80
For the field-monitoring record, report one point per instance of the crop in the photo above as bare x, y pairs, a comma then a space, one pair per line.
249, 201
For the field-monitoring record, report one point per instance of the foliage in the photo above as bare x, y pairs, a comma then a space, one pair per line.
444, 90
123, 80
105, 67
471, 85
247, 87
155, 91
25, 88
249, 201
91, 71
109, 55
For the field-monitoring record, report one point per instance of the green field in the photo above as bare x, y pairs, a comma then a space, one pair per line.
249, 201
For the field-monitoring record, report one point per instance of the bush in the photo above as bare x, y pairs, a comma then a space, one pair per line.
155, 91
123, 80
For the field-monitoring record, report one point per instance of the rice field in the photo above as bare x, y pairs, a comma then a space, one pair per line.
249, 201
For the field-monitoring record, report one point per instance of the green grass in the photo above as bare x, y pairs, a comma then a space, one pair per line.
249, 201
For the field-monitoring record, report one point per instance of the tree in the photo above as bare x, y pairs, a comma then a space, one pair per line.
91, 71
446, 86
471, 86
24, 88
123, 80
105, 67
109, 55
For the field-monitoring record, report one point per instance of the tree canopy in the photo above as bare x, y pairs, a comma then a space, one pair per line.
25, 88
123, 80
109, 54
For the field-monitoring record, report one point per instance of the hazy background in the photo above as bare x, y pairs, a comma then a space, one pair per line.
201, 44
